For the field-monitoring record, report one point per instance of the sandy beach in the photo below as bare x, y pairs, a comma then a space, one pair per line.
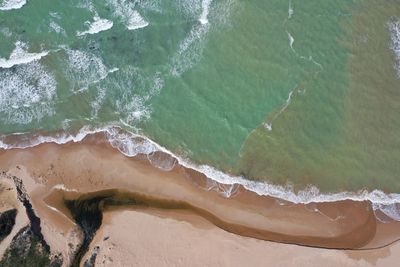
157, 239
191, 225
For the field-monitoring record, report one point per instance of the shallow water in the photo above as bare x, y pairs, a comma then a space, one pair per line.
291, 92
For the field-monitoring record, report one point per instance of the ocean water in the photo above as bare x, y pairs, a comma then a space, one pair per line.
291, 94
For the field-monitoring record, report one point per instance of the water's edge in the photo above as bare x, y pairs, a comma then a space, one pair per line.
132, 144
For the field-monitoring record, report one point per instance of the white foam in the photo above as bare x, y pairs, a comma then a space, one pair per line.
394, 28
63, 188
224, 190
131, 144
61, 213
101, 95
125, 143
98, 25
189, 8
135, 109
55, 15
190, 50
26, 93
12, 4
20, 56
97, 103
291, 41
390, 210
86, 4
290, 10
136, 21
314, 208
6, 32
84, 69
153, 5
60, 138
161, 161
319, 65
205, 4
156, 86
126, 11
53, 26
309, 58
268, 125
131, 89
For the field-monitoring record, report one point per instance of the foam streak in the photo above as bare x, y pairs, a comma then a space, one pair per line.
205, 4
394, 28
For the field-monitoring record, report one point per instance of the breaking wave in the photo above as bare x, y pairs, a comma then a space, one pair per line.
20, 56
98, 25
12, 4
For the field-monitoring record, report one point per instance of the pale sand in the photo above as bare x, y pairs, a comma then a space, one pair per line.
136, 238
91, 166
61, 233
8, 200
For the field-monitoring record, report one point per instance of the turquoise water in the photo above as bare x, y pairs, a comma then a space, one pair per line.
290, 92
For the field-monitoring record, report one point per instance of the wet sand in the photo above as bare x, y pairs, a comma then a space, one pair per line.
154, 238
52, 173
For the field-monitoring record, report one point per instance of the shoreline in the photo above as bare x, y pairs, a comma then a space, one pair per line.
91, 166
131, 145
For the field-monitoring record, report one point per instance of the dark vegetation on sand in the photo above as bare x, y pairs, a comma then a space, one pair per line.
7, 221
26, 250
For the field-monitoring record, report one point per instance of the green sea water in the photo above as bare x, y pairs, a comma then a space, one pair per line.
289, 92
